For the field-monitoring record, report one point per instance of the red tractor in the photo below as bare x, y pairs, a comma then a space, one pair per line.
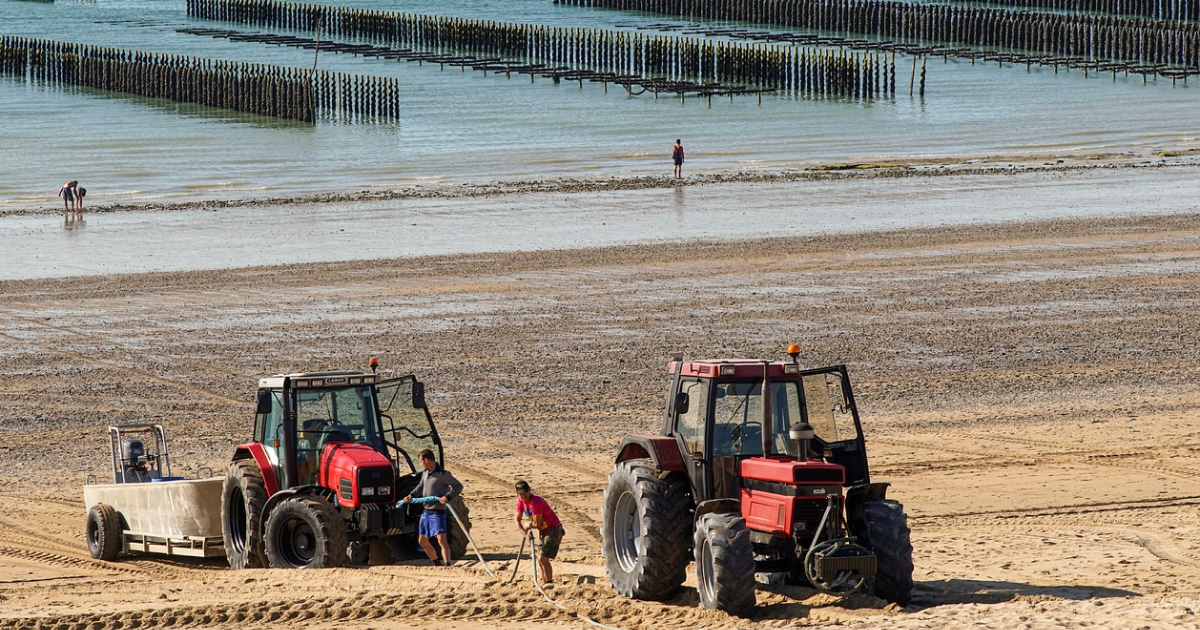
318, 484
749, 484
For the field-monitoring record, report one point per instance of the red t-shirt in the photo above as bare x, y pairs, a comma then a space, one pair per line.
537, 506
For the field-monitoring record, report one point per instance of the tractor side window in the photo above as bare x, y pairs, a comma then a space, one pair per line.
827, 412
268, 425
690, 425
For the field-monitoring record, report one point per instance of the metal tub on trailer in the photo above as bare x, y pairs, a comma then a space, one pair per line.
175, 517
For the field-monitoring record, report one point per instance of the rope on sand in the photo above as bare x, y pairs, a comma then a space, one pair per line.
538, 583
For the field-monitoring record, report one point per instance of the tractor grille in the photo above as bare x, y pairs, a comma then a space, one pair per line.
378, 477
806, 514
819, 475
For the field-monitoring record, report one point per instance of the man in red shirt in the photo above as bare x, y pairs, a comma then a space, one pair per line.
545, 522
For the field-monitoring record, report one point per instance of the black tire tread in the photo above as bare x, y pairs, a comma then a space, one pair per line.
247, 478
327, 523
889, 537
665, 505
732, 562
107, 524
459, 542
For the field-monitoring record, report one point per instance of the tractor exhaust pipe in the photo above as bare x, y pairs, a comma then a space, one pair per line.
802, 434
766, 406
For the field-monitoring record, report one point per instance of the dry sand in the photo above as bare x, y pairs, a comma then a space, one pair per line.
1030, 390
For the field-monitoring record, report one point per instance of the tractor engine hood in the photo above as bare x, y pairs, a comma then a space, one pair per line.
786, 470
785, 497
357, 474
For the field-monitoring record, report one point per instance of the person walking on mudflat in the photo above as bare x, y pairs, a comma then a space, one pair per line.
677, 157
435, 482
67, 192
545, 522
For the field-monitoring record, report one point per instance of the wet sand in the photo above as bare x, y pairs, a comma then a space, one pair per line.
1029, 387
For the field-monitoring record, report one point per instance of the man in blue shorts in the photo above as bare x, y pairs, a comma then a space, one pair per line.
435, 482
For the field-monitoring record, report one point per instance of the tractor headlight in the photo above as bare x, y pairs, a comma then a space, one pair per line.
384, 490
367, 491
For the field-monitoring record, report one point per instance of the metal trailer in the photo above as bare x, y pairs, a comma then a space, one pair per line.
146, 509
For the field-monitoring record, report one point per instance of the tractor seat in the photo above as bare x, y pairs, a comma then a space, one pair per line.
337, 436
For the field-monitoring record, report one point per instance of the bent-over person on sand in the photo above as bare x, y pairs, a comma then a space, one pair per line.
545, 522
435, 482
67, 192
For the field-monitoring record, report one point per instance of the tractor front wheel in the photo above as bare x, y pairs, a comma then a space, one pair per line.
305, 532
104, 532
724, 563
645, 531
889, 537
242, 500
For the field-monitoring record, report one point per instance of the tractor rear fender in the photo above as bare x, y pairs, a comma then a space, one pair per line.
856, 496
259, 455
662, 451
718, 505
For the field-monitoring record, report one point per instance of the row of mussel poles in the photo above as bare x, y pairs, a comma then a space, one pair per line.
1157, 9
289, 93
620, 54
1084, 35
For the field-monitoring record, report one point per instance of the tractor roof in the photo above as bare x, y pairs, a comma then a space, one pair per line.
734, 368
318, 379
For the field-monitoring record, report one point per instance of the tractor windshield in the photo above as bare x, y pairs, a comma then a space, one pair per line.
738, 414
346, 413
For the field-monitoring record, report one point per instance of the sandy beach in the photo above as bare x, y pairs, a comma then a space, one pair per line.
1030, 388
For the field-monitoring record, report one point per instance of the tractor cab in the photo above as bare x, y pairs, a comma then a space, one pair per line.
719, 419
347, 408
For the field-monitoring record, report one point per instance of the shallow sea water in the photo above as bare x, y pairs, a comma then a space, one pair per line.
128, 242
466, 127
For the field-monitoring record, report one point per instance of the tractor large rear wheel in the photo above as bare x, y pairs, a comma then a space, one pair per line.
889, 537
305, 532
646, 530
242, 499
458, 536
104, 532
724, 563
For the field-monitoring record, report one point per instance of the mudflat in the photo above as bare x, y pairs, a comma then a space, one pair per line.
1030, 389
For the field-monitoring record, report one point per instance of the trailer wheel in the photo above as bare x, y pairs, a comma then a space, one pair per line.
646, 530
305, 532
242, 499
724, 563
458, 536
104, 532
889, 537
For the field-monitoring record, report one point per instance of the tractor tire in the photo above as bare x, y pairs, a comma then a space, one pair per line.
724, 563
104, 532
242, 500
459, 542
305, 532
646, 531
405, 547
889, 538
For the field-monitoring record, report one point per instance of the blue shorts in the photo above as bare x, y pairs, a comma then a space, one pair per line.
432, 523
